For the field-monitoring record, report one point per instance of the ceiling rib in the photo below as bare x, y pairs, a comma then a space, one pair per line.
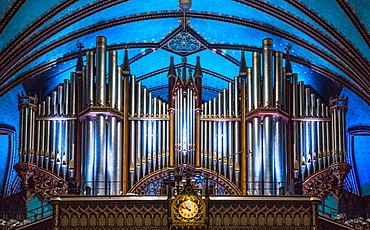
356, 63
9, 14
163, 70
353, 54
45, 66
17, 40
356, 21
203, 15
26, 42
227, 57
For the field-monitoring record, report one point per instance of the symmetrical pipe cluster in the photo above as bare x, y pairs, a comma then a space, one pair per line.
220, 129
102, 121
149, 137
104, 128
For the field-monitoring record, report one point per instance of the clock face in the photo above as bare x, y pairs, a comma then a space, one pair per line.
188, 209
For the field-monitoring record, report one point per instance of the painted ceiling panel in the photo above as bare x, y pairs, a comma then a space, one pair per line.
208, 60
115, 12
157, 80
66, 11
324, 86
4, 6
152, 31
296, 12
43, 84
157, 60
213, 82
29, 11
244, 11
332, 12
362, 8
253, 37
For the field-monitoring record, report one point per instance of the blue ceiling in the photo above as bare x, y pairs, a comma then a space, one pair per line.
329, 40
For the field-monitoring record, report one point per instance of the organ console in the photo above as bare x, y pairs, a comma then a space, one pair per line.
105, 128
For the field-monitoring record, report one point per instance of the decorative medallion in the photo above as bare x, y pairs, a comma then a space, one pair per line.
184, 43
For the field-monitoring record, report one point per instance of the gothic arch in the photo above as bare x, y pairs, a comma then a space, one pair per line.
152, 183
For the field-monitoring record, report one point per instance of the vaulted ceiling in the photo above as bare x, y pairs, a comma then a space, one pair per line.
327, 39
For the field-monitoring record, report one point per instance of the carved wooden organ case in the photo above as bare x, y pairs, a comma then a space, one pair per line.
105, 130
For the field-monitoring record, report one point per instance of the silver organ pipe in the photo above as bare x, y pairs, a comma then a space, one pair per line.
47, 133
38, 140
296, 142
267, 120
72, 124
216, 119
148, 147
280, 159
100, 119
314, 123
250, 133
105, 158
118, 172
89, 82
319, 126
100, 71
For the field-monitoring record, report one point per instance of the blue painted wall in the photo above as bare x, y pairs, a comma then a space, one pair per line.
359, 115
9, 115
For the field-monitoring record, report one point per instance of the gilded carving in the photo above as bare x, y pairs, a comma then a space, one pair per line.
42, 182
327, 180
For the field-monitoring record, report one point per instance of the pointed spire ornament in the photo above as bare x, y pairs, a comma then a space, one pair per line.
288, 64
243, 66
79, 59
126, 64
172, 70
198, 69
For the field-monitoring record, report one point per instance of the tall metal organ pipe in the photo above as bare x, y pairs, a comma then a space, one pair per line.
127, 133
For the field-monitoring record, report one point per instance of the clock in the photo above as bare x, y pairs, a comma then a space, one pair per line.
188, 209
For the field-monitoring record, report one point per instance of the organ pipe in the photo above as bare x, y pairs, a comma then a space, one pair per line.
100, 71
124, 132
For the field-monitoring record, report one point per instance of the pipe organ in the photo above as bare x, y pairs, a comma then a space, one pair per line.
149, 125
106, 129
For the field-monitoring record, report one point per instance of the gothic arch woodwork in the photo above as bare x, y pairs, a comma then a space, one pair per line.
152, 184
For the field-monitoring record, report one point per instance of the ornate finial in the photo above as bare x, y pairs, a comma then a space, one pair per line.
100, 103
190, 72
268, 105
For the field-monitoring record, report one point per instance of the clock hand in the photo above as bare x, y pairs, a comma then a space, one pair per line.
185, 207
